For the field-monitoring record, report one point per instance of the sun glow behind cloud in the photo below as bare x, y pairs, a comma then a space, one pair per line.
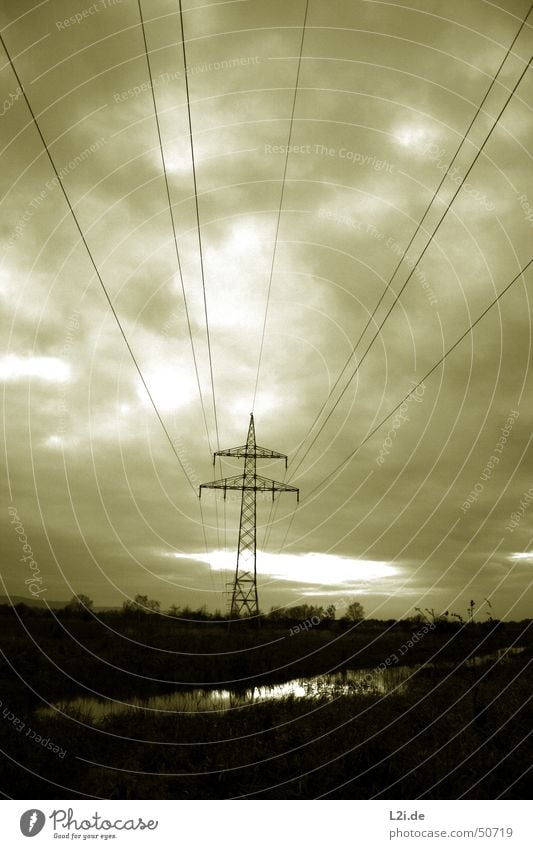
170, 389
4, 283
413, 138
244, 238
176, 163
309, 568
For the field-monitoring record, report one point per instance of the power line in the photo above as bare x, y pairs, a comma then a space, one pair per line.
167, 189
397, 297
369, 435
419, 225
198, 223
200, 248
283, 182
189, 328
273, 507
93, 262
402, 257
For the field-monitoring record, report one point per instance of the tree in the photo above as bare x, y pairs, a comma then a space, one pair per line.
141, 604
80, 604
355, 611
24, 609
304, 612
277, 614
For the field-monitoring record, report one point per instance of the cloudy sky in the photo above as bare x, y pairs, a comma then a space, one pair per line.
433, 510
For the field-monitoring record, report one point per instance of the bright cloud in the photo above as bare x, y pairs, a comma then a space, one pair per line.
307, 568
14, 367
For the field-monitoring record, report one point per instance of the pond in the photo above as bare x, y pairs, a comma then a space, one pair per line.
366, 682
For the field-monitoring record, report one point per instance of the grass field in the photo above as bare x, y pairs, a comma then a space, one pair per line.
455, 731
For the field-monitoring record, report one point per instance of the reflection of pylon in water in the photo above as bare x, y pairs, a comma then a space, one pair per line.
244, 599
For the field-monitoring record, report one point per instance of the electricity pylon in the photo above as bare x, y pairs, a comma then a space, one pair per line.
244, 600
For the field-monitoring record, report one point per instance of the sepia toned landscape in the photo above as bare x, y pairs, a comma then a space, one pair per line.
267, 492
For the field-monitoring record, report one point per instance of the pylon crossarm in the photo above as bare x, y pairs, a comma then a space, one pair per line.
230, 452
246, 451
263, 484
235, 482
268, 454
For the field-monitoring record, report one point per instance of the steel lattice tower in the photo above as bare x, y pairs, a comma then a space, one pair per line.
244, 600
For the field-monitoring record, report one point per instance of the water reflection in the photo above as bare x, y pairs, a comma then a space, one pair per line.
393, 679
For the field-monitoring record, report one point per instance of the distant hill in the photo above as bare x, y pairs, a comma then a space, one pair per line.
33, 601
